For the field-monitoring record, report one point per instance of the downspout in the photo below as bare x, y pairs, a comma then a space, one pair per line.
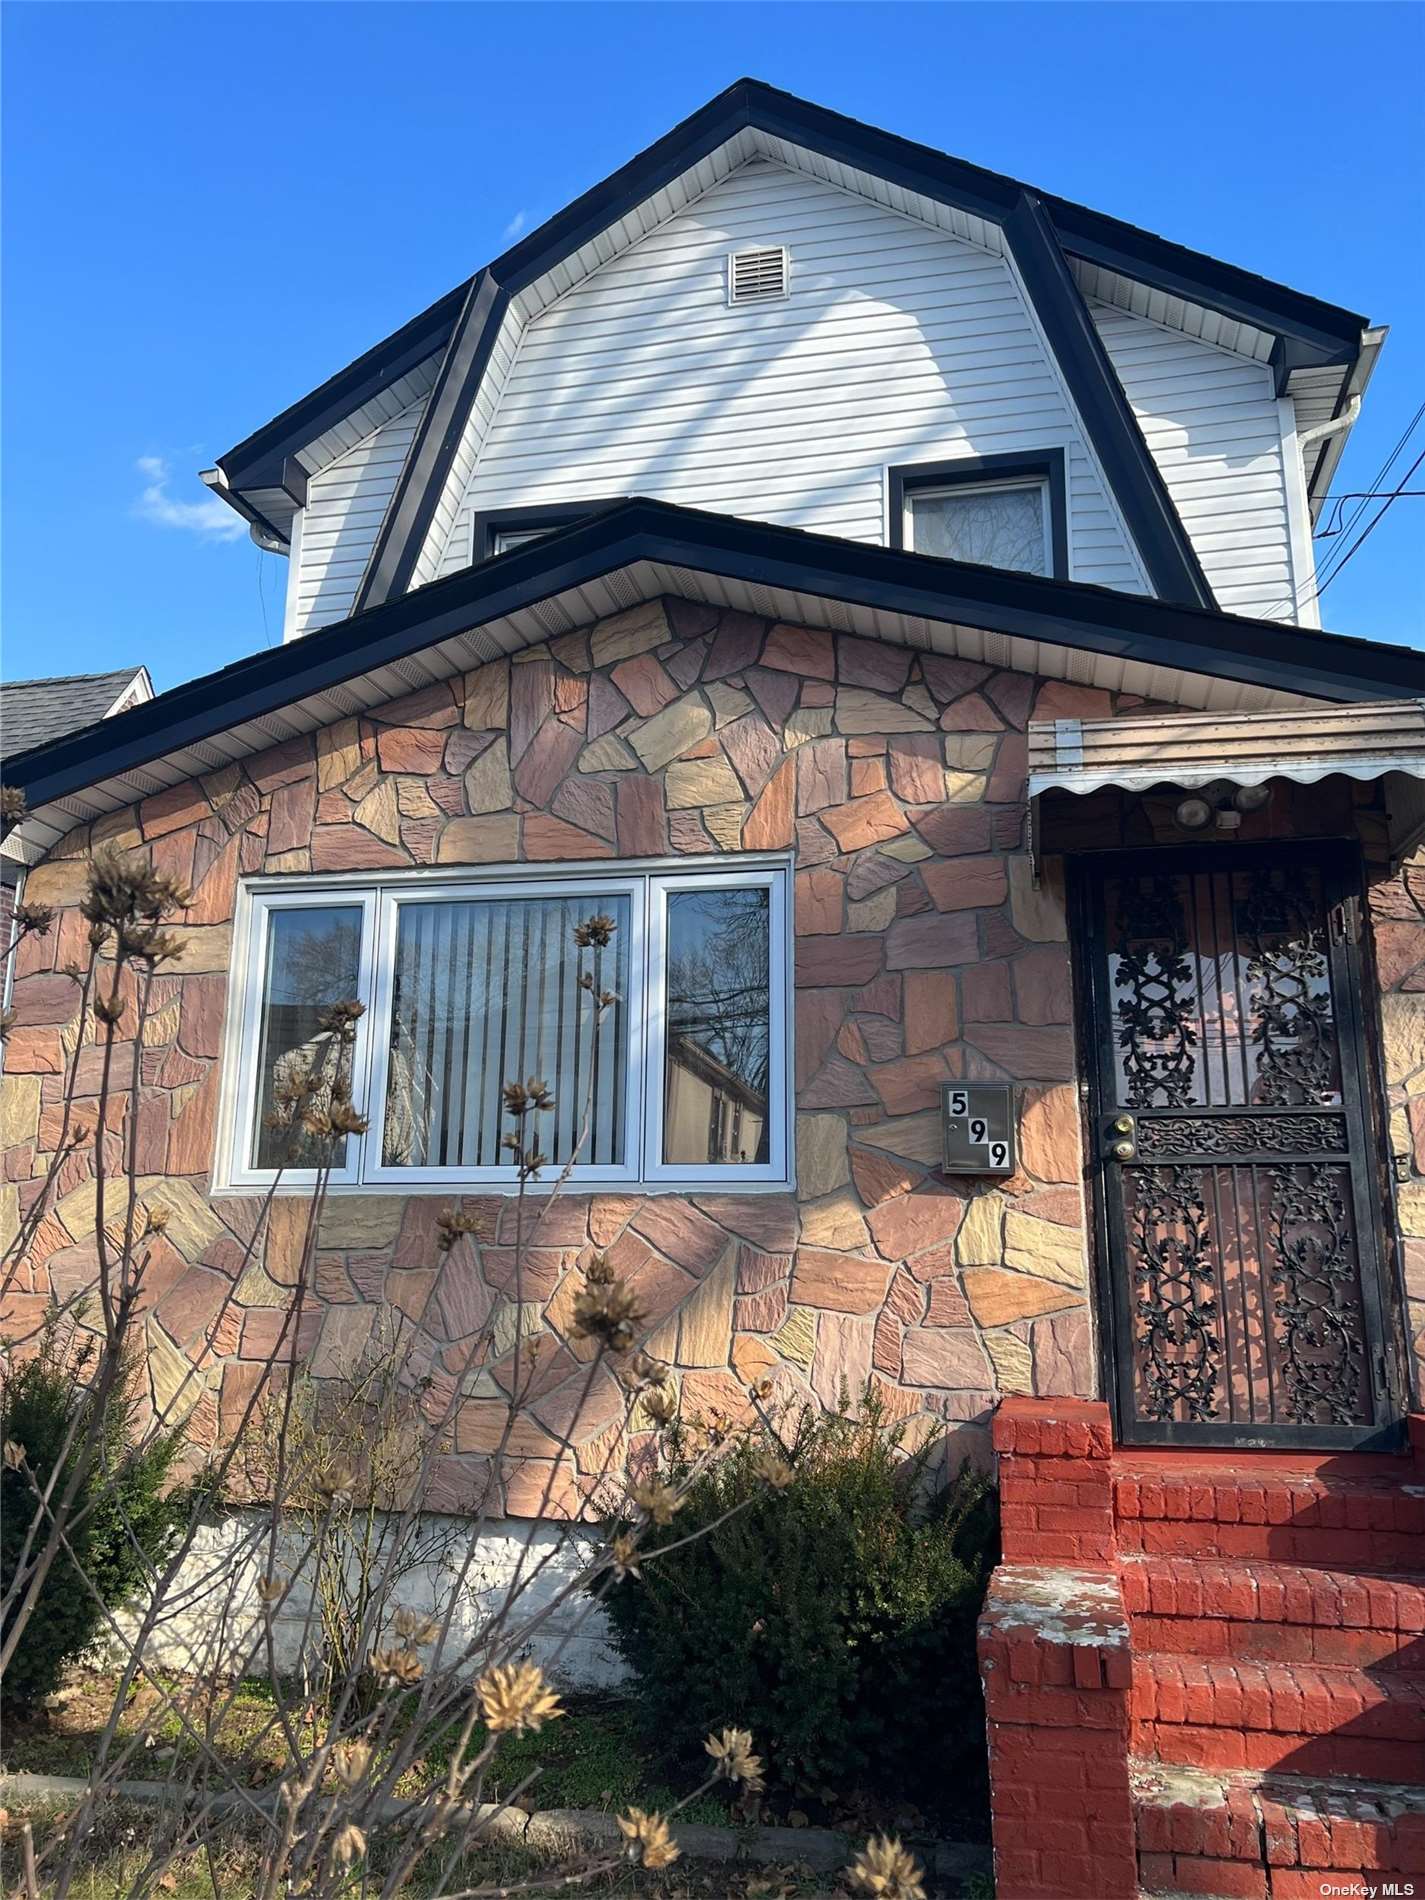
1306, 437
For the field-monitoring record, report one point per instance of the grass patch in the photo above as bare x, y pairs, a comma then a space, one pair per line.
596, 1756
225, 1867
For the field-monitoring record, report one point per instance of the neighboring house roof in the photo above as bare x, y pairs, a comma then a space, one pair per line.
1062, 250
636, 550
32, 712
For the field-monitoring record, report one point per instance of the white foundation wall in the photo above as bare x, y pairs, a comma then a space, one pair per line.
213, 1616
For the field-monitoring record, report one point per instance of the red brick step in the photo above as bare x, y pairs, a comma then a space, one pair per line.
1269, 1837
1295, 1718
1269, 1612
1329, 1514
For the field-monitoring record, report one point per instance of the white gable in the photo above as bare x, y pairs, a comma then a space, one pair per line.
337, 529
1212, 422
899, 343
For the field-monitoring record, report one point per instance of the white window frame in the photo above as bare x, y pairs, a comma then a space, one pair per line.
241, 1091
958, 491
647, 883
776, 1167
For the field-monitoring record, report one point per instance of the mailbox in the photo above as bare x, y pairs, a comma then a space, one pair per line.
979, 1127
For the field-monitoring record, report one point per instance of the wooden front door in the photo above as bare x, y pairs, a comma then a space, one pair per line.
1238, 1198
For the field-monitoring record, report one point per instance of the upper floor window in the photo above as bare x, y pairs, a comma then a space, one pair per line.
1004, 511
497, 531
678, 1075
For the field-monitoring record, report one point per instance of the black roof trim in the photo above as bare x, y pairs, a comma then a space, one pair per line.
407, 520
1315, 331
1133, 476
260, 460
1065, 613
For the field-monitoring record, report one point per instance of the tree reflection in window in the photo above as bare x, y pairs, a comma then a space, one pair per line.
312, 963
719, 1031
999, 526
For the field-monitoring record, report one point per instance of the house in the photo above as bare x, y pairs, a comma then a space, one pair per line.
885, 591
34, 711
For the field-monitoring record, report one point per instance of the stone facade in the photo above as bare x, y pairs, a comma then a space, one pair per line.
1397, 907
924, 952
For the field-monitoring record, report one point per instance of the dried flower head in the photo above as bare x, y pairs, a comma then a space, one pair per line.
733, 1758
396, 1668
348, 1845
649, 1842
340, 1019
338, 1481
156, 1219
14, 1454
659, 1500
145, 943
521, 1098
124, 890
108, 1009
344, 1118
608, 1313
514, 1697
660, 1404
623, 1557
600, 1270
886, 1869
595, 933
351, 1760
772, 1470
450, 1225
415, 1626
33, 919
12, 805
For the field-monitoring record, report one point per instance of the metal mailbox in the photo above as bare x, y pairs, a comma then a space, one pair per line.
979, 1127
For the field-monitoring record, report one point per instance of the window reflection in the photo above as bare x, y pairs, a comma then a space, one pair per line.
312, 963
718, 1016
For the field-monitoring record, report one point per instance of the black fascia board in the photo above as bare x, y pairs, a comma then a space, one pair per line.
1064, 613
258, 460
1318, 331
419, 486
1133, 475
1323, 332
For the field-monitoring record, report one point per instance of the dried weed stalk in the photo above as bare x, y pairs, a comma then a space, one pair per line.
393, 1725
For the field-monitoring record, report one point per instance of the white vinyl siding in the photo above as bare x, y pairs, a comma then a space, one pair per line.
899, 343
1211, 420
346, 503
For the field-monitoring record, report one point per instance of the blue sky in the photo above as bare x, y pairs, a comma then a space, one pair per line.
209, 208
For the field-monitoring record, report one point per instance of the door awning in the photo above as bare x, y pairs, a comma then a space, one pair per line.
1373, 740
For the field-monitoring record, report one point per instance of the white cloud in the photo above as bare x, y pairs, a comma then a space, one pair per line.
516, 224
209, 518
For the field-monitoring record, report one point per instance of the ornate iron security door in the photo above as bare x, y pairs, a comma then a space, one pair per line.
1239, 1210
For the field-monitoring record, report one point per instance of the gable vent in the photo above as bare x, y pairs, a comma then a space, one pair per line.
756, 276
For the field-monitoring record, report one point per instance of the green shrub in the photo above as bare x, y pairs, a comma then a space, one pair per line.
126, 1513
835, 1619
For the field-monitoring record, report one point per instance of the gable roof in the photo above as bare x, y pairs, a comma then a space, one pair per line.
636, 550
32, 712
1052, 241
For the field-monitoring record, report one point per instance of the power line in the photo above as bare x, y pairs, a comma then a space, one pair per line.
1367, 532
1341, 553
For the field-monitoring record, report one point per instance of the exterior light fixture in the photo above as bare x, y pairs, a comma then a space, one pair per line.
1251, 797
1194, 814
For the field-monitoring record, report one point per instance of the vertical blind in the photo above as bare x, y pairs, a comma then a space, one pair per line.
487, 993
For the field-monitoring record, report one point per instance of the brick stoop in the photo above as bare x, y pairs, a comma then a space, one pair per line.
1257, 1629
1284, 1836
1270, 1612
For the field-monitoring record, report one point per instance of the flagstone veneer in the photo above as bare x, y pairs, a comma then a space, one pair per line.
924, 952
